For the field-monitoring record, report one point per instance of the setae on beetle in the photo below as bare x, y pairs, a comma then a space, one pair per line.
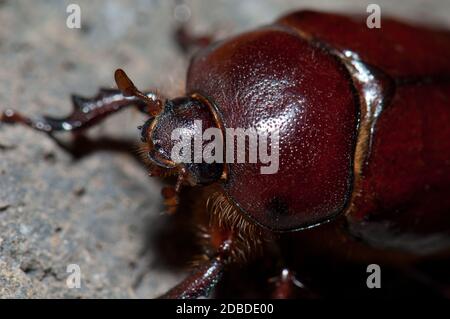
364, 143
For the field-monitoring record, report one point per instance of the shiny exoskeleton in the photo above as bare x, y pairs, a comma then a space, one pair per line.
364, 141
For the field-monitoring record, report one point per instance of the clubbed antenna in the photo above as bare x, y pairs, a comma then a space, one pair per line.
127, 88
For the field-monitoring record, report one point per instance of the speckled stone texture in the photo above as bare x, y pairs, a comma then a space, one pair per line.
101, 211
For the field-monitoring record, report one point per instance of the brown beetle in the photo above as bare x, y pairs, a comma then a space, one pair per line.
364, 141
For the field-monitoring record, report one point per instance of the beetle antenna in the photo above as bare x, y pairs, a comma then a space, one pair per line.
127, 87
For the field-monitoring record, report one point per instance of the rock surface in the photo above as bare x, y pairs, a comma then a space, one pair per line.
100, 211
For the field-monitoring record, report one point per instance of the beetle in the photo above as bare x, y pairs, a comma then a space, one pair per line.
364, 169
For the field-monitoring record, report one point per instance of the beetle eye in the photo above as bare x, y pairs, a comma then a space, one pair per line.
144, 129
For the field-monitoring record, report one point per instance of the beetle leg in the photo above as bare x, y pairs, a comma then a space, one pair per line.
170, 199
285, 284
205, 277
170, 193
86, 112
187, 41
199, 283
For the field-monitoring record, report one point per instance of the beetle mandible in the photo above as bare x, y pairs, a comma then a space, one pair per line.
364, 139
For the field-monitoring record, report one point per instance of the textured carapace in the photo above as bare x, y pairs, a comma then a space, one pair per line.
346, 105
402, 161
273, 79
362, 116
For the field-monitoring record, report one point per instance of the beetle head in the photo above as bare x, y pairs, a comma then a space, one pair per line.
175, 126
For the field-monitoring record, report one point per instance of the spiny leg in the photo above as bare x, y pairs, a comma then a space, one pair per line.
286, 285
228, 239
186, 40
90, 111
205, 277
199, 283
86, 112
171, 193
289, 284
